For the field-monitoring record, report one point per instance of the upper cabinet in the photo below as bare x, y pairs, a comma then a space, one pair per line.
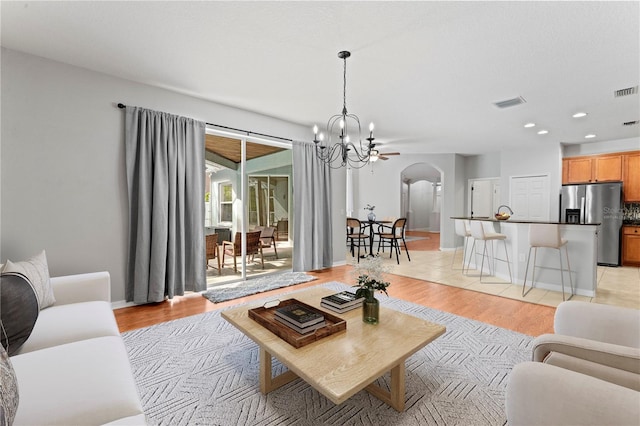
620, 166
601, 168
631, 177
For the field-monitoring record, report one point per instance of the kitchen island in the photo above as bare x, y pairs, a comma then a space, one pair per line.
582, 246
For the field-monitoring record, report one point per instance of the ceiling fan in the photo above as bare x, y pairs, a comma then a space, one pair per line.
375, 155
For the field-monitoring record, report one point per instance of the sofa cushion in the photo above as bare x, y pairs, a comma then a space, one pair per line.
37, 270
62, 324
18, 310
8, 390
80, 383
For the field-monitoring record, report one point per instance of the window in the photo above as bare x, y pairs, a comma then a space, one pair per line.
226, 202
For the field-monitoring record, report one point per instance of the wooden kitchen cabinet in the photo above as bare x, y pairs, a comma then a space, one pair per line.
579, 170
599, 168
631, 177
631, 245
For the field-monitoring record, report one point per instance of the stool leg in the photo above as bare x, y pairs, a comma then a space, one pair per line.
566, 252
561, 273
508, 264
484, 251
526, 271
473, 246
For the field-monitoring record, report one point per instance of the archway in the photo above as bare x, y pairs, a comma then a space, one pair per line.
421, 197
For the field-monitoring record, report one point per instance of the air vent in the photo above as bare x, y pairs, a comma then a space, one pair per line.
625, 92
510, 102
630, 123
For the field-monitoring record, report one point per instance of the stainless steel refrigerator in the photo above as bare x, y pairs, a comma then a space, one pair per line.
596, 203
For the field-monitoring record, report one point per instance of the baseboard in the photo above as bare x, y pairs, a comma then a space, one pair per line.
122, 304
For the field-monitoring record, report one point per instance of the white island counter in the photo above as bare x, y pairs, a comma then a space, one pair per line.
583, 253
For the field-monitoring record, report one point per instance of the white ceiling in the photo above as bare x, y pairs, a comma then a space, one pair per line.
427, 73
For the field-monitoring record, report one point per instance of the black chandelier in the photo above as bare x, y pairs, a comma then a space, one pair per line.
340, 153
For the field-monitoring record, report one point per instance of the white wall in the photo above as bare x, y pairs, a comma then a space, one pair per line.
533, 162
483, 166
592, 148
421, 204
63, 182
382, 188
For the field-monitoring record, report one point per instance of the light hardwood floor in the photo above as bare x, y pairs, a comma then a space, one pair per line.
519, 316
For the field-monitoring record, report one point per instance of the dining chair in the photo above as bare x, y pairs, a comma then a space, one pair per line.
234, 248
211, 249
355, 236
392, 235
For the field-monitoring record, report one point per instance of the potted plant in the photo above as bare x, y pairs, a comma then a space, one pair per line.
369, 277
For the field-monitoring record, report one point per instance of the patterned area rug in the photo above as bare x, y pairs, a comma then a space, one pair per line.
200, 370
236, 290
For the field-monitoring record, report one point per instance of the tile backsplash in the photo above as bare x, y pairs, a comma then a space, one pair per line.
631, 213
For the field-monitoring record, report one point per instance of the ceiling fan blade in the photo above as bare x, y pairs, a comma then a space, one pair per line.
389, 153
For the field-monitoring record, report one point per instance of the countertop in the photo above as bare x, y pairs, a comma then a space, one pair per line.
491, 219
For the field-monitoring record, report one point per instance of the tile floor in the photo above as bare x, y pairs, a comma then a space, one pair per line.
616, 286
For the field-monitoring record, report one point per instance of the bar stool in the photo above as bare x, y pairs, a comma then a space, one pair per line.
479, 234
463, 230
542, 235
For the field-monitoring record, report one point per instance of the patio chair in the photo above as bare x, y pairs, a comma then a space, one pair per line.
234, 248
267, 238
211, 245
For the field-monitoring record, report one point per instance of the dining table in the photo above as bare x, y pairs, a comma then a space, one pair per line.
369, 223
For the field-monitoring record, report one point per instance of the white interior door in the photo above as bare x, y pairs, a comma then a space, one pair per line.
481, 198
530, 198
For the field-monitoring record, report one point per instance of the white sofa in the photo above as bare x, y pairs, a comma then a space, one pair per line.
74, 369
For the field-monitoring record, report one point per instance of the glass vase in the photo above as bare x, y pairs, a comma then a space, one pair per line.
370, 308
371, 216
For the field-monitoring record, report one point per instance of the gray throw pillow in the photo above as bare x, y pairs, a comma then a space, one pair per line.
18, 310
8, 390
37, 270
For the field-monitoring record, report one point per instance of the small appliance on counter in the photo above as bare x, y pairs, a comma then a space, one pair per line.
596, 203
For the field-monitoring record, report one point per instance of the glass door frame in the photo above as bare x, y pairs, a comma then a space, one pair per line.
244, 183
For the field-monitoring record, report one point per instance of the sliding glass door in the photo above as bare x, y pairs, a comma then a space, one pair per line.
249, 186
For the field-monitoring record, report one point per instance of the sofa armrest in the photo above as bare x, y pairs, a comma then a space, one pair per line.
82, 288
615, 356
604, 323
541, 394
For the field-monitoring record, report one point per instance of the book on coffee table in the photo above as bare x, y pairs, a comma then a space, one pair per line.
341, 310
299, 315
305, 330
342, 300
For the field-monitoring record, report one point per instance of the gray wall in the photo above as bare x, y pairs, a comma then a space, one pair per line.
62, 182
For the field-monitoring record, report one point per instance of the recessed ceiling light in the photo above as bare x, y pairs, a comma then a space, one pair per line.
590, 136
543, 132
530, 125
579, 114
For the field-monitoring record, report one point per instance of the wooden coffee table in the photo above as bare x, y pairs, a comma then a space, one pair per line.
341, 365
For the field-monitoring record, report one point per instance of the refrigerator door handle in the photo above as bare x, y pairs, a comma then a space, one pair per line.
583, 210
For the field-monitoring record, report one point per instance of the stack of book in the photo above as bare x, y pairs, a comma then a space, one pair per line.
300, 318
341, 302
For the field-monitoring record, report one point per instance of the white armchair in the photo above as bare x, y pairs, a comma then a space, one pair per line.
601, 341
588, 373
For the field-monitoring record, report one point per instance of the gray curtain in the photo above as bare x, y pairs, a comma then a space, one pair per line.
312, 236
165, 177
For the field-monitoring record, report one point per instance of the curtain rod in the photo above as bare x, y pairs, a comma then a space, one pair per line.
247, 132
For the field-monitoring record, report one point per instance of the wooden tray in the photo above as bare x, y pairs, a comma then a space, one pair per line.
265, 317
